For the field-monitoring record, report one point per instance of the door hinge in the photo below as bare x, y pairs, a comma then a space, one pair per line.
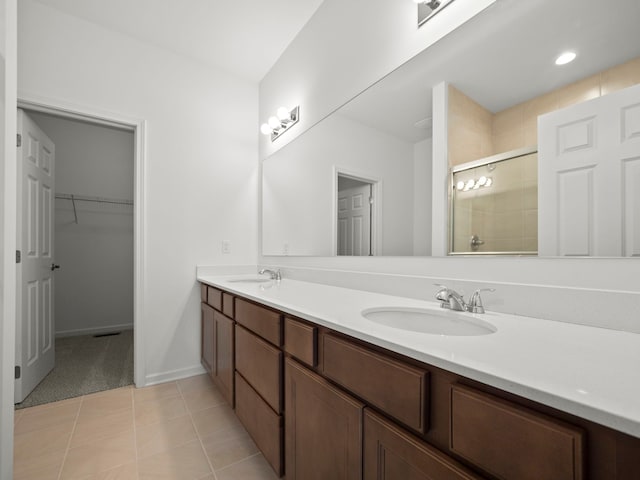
18, 372
18, 256
19, 141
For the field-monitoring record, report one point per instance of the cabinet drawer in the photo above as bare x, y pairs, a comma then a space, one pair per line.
261, 365
227, 305
203, 293
398, 389
512, 442
260, 320
264, 426
214, 298
391, 453
300, 341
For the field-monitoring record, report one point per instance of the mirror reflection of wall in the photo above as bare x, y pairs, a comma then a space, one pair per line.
480, 222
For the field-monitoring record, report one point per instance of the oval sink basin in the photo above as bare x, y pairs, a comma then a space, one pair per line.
435, 322
250, 280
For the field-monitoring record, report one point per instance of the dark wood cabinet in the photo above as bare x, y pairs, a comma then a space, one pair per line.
397, 388
217, 342
323, 405
323, 428
513, 442
390, 453
223, 355
206, 345
263, 424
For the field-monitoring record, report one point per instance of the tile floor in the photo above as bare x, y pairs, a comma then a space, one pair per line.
178, 430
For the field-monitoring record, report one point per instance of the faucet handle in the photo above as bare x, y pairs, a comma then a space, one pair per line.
443, 293
475, 303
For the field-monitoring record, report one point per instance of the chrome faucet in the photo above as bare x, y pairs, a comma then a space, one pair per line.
275, 274
451, 299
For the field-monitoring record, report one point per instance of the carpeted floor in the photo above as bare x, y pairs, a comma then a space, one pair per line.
86, 364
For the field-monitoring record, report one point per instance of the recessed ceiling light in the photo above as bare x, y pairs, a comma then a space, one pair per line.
565, 58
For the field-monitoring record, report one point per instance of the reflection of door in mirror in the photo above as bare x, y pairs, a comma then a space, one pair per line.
495, 205
355, 200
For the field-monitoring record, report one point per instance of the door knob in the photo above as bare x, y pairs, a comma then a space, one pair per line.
54, 267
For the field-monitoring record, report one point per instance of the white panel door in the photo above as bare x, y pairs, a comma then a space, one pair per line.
589, 177
354, 221
35, 326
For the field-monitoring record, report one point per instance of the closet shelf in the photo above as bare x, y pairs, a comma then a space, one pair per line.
86, 198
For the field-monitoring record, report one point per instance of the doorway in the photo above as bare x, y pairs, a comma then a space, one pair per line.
355, 215
94, 245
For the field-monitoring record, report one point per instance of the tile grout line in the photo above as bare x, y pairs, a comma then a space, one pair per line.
193, 423
258, 453
73, 430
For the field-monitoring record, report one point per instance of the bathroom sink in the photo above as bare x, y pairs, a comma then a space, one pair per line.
432, 321
250, 280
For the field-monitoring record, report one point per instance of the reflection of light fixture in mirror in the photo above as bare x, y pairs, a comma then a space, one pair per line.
277, 125
473, 184
565, 58
428, 8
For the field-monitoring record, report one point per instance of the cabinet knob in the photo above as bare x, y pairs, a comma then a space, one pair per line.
54, 267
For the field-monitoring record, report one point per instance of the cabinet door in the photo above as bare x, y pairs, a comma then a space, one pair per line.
391, 453
323, 428
206, 350
223, 355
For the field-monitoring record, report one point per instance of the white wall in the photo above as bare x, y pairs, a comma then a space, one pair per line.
304, 218
97, 161
7, 229
201, 161
336, 55
422, 198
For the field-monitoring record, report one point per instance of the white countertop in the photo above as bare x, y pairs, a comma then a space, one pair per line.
593, 373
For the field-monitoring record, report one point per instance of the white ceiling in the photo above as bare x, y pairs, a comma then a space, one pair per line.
244, 37
502, 57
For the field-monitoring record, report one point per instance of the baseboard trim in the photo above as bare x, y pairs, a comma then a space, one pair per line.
156, 378
93, 330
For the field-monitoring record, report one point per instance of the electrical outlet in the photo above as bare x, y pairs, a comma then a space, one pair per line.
226, 246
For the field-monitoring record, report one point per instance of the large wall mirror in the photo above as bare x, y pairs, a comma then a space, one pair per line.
359, 182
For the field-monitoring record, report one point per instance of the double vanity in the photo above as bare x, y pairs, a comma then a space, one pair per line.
335, 383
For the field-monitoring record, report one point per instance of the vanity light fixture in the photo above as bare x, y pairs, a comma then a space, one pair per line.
565, 57
428, 8
473, 184
284, 119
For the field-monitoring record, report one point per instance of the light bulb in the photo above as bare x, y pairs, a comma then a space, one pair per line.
460, 185
470, 184
565, 58
482, 180
489, 182
274, 123
284, 114
266, 129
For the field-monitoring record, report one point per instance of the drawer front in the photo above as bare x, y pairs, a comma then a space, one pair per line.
227, 304
398, 389
391, 453
300, 341
261, 365
260, 320
203, 293
264, 426
214, 298
512, 442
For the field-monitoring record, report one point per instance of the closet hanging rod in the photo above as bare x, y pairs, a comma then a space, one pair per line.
86, 198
